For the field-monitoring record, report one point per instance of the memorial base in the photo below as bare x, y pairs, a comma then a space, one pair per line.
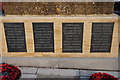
65, 63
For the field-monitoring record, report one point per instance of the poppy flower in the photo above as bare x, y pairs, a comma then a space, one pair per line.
9, 72
102, 76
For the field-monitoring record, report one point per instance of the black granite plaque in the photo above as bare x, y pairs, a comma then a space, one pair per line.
101, 37
72, 37
15, 37
43, 37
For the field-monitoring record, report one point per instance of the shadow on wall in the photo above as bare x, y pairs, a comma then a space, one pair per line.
1, 9
117, 8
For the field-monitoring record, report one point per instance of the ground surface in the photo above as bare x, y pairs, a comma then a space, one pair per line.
32, 73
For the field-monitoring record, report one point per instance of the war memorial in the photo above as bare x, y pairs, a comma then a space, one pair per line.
80, 35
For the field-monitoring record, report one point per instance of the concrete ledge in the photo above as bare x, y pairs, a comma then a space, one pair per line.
74, 63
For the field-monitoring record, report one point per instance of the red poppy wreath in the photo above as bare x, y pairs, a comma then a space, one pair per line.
9, 72
102, 76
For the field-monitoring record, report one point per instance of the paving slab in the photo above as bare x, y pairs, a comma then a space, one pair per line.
84, 78
28, 70
58, 72
29, 76
55, 76
87, 73
27, 79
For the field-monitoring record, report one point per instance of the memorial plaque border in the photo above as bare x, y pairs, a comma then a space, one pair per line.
110, 40
25, 49
82, 23
51, 23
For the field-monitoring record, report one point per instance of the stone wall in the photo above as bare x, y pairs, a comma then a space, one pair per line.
58, 33
57, 8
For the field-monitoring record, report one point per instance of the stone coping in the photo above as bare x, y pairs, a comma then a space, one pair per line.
60, 16
58, 0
